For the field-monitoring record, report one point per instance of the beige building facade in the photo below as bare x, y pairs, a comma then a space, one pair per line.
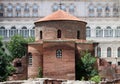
102, 17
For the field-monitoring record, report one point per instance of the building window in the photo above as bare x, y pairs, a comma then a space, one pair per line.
32, 32
59, 53
10, 10
35, 10
1, 10
55, 7
78, 34
108, 32
107, 10
88, 32
91, 10
63, 6
24, 32
117, 32
118, 63
98, 52
71, 8
40, 34
99, 32
13, 31
115, 10
3, 32
99, 11
110, 63
30, 58
59, 34
18, 10
108, 52
26, 10
118, 52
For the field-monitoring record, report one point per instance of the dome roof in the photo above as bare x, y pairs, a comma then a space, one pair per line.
58, 15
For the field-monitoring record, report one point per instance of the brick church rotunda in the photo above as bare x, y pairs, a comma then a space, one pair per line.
59, 39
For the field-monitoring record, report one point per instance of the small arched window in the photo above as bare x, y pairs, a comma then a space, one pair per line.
98, 52
115, 10
18, 10
108, 52
117, 32
78, 34
99, 10
118, 52
3, 32
71, 8
55, 7
91, 10
30, 58
88, 32
10, 10
63, 6
40, 34
108, 32
59, 53
99, 32
24, 32
1, 9
107, 10
13, 31
26, 10
59, 34
35, 10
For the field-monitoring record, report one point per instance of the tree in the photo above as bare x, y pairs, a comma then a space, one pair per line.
18, 46
85, 67
5, 66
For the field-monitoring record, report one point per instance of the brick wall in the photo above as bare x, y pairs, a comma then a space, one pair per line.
68, 28
37, 59
62, 68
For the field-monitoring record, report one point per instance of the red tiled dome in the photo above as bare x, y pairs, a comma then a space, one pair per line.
58, 15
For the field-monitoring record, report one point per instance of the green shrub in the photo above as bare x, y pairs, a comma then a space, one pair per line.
40, 72
96, 78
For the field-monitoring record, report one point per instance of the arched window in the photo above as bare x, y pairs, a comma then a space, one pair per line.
107, 10
99, 32
35, 10
108, 32
88, 32
117, 32
59, 53
3, 32
91, 10
30, 58
13, 31
24, 32
32, 32
63, 7
108, 52
78, 34
26, 10
99, 10
59, 34
10, 10
1, 10
72, 8
55, 7
40, 34
18, 10
98, 51
115, 10
118, 52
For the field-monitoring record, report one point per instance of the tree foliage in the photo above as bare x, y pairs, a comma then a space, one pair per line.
85, 67
5, 66
18, 46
